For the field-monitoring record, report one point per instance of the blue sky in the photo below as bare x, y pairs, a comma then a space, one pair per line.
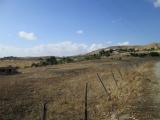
69, 27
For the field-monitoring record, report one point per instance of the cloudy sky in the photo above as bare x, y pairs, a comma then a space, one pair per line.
69, 27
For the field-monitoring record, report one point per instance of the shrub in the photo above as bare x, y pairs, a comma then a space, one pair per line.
66, 60
51, 61
138, 54
92, 57
154, 54
48, 61
104, 53
35, 65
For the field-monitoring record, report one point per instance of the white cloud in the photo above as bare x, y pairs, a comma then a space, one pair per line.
66, 48
79, 32
95, 47
27, 35
156, 3
124, 43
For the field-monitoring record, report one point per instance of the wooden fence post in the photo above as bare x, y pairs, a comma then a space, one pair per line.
119, 71
44, 111
86, 102
107, 92
102, 84
114, 79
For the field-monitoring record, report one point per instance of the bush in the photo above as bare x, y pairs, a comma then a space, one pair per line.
35, 65
104, 53
154, 54
65, 60
92, 57
48, 61
51, 61
68, 59
138, 54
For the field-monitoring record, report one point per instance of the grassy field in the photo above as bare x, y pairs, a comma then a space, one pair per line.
62, 87
19, 63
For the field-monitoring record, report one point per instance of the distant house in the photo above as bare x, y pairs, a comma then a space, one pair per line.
8, 70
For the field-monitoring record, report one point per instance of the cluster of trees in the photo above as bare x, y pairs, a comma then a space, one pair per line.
105, 53
44, 62
65, 60
152, 54
92, 57
52, 61
138, 54
10, 58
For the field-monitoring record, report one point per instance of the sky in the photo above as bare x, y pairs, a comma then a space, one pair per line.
71, 27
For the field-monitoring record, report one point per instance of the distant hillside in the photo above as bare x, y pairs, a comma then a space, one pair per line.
113, 51
128, 48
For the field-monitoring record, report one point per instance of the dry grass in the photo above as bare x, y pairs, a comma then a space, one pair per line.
19, 63
63, 88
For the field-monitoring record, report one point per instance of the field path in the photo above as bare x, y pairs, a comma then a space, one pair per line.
149, 107
156, 91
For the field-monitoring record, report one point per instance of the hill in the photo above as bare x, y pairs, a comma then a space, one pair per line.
153, 46
113, 52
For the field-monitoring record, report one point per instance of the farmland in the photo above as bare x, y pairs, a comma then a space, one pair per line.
62, 87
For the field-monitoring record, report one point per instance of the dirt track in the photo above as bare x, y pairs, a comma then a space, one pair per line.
156, 92
149, 105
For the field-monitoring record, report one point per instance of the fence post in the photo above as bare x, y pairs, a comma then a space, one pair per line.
107, 92
120, 73
44, 111
114, 78
102, 84
86, 102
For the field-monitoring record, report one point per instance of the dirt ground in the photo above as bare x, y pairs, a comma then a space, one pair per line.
148, 104
130, 83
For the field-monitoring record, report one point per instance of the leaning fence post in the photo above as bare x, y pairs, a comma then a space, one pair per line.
86, 102
120, 73
102, 84
44, 111
107, 92
114, 78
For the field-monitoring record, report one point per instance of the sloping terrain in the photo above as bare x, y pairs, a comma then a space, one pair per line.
63, 88
127, 48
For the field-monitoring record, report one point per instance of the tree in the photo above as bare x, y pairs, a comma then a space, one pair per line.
154, 54
102, 53
51, 61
